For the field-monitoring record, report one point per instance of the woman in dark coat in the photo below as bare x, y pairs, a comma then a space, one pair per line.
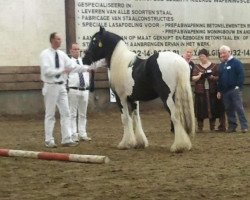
205, 76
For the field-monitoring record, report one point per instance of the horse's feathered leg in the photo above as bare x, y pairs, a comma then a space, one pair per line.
128, 140
141, 139
175, 73
181, 140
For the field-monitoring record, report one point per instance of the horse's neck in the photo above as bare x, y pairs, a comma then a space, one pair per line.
121, 57
119, 65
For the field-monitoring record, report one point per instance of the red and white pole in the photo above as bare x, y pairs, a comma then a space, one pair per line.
54, 156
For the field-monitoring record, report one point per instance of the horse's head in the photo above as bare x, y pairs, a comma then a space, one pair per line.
101, 46
86, 60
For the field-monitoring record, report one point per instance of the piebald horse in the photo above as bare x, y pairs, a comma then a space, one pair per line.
132, 79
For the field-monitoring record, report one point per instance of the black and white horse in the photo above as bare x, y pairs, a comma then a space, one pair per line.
132, 79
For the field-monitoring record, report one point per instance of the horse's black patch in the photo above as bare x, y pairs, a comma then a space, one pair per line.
154, 72
148, 80
143, 89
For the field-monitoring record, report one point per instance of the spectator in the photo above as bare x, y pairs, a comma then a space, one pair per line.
187, 55
205, 76
230, 83
221, 109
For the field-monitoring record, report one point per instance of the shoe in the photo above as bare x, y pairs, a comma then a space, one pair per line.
75, 138
220, 130
230, 130
199, 130
70, 144
85, 138
50, 144
244, 130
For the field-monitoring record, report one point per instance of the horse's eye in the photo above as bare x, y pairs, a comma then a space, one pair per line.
100, 44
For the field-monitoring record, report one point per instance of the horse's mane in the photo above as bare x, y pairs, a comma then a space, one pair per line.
112, 36
110, 40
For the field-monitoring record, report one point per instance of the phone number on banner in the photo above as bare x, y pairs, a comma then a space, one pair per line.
146, 53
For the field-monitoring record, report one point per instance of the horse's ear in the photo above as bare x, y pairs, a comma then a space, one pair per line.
102, 29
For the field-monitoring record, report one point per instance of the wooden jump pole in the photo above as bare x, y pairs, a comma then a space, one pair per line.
55, 156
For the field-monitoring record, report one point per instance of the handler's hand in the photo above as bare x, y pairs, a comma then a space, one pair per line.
218, 95
199, 75
211, 77
92, 70
67, 70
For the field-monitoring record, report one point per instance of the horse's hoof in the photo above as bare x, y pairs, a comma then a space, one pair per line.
141, 146
124, 147
175, 149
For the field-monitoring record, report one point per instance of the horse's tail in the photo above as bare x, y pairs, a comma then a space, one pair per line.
184, 100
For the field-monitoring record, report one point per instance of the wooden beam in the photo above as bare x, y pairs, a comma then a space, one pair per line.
38, 85
21, 86
102, 70
70, 23
13, 78
20, 70
101, 84
100, 76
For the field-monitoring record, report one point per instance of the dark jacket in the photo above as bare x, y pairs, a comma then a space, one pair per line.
231, 74
191, 65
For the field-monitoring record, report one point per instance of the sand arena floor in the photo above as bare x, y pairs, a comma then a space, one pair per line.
218, 166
